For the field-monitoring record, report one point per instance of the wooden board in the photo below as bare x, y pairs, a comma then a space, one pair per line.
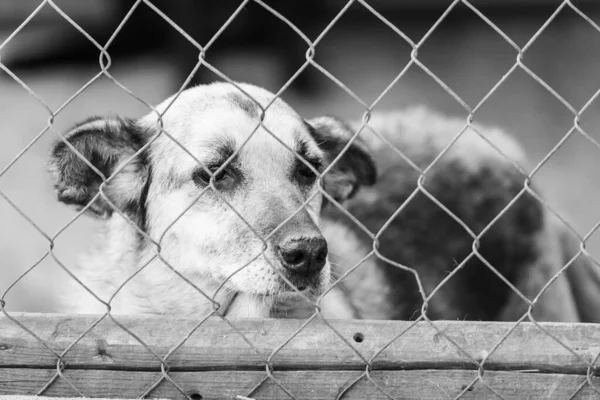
215, 345
415, 384
216, 363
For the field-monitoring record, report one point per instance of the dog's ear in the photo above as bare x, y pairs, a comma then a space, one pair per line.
106, 143
355, 168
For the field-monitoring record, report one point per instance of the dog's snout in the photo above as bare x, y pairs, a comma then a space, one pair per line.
305, 256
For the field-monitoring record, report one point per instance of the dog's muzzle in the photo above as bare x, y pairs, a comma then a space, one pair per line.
304, 256
302, 251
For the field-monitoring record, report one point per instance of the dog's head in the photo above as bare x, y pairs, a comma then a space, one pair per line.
229, 200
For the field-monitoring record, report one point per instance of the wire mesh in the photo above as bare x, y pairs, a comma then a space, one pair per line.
477, 360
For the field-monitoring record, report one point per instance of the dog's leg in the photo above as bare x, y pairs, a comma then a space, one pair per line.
584, 279
559, 302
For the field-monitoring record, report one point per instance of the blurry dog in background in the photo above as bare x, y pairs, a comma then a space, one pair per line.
474, 190
240, 217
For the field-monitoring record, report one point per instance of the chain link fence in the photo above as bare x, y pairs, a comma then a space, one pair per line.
478, 362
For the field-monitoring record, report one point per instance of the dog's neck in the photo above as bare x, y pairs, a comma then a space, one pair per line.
152, 287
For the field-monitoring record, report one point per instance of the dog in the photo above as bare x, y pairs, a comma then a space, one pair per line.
233, 204
469, 242
258, 219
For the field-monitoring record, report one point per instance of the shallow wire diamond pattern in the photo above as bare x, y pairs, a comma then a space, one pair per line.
105, 63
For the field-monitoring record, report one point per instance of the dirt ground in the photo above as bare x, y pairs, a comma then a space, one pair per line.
470, 58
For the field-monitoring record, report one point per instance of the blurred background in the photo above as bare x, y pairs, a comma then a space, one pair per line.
152, 59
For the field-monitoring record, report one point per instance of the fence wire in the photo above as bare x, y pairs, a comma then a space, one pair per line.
478, 361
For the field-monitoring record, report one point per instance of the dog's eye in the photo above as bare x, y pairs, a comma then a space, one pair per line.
305, 175
202, 177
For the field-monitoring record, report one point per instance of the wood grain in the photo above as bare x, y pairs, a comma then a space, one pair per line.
215, 345
415, 384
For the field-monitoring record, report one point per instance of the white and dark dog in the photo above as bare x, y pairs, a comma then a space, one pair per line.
213, 238
236, 211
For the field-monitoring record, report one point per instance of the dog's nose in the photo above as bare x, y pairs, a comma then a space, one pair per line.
305, 256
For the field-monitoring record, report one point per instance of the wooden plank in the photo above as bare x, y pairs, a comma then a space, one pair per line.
215, 345
414, 384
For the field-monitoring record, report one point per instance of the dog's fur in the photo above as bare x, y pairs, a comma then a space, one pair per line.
211, 243
474, 181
